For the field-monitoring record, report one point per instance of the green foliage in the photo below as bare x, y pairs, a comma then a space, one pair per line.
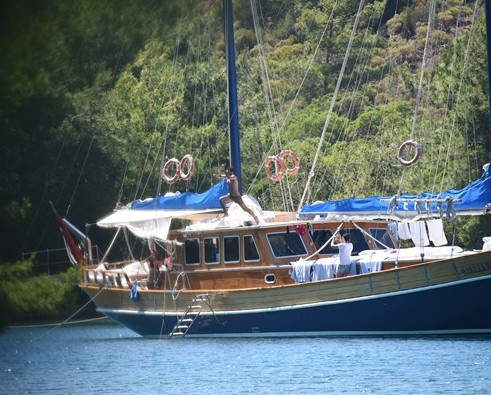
27, 298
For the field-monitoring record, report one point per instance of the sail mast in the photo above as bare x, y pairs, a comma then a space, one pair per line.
233, 108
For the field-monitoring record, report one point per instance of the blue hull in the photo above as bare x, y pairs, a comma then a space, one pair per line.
460, 307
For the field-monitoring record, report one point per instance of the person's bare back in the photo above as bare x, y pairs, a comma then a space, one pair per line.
234, 194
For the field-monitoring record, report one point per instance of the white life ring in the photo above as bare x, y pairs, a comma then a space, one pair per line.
166, 175
296, 162
278, 173
418, 151
186, 162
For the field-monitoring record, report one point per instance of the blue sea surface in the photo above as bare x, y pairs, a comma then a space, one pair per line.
105, 358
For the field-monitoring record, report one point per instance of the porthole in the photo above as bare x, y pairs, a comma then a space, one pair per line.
270, 278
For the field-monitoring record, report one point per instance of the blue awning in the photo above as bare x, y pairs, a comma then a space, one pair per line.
474, 198
185, 201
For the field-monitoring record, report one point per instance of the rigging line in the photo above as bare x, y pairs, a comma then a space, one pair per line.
159, 183
311, 61
380, 172
357, 77
309, 66
194, 117
72, 165
442, 128
266, 80
153, 138
457, 102
336, 90
163, 144
80, 175
453, 70
264, 69
431, 14
268, 93
425, 141
121, 189
91, 140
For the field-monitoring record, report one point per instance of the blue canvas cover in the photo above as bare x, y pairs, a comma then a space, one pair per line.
474, 198
186, 200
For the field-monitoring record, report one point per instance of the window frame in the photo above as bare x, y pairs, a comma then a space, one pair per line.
332, 251
218, 247
285, 233
255, 246
231, 262
186, 255
377, 241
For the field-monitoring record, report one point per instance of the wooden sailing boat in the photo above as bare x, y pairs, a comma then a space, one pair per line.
230, 277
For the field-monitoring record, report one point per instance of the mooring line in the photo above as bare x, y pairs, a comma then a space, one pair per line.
73, 315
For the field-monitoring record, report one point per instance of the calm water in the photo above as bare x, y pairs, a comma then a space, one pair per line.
107, 358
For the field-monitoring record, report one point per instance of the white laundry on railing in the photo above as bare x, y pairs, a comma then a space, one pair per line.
436, 232
324, 269
300, 272
418, 234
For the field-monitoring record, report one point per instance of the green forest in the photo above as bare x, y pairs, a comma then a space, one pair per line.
95, 96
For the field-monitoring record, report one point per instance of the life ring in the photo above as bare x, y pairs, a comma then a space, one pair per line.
418, 151
166, 176
186, 162
278, 174
281, 162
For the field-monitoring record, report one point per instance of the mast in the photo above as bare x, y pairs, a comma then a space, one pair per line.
488, 48
233, 108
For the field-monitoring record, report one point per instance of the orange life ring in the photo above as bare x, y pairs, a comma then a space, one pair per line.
278, 174
186, 161
418, 151
296, 162
171, 179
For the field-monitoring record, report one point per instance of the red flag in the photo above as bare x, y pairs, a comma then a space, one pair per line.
74, 253
301, 229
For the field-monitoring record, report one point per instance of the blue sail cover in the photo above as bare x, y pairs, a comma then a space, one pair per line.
473, 200
186, 200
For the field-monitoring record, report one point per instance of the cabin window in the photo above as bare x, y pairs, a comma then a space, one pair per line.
320, 237
286, 244
250, 249
357, 239
231, 249
382, 236
191, 249
212, 250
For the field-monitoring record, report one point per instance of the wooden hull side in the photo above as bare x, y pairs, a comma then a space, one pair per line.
448, 296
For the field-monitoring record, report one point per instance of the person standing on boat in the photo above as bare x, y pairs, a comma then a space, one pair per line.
234, 194
153, 270
345, 249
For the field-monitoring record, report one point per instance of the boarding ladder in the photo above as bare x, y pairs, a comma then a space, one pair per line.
192, 312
